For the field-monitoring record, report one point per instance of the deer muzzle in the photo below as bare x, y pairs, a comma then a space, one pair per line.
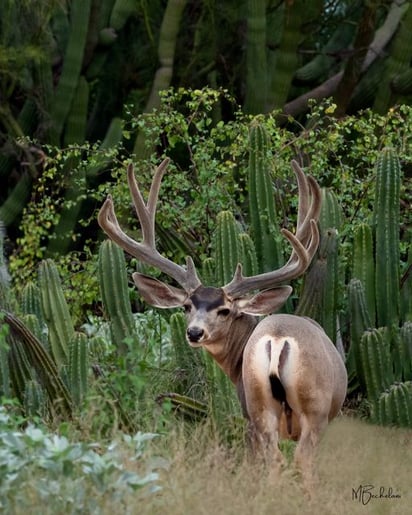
195, 334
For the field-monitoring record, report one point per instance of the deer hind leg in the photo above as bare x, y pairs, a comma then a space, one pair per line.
263, 434
312, 426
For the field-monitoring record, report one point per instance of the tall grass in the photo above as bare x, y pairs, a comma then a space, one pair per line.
200, 476
205, 479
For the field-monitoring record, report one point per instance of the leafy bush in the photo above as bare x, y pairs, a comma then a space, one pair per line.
74, 477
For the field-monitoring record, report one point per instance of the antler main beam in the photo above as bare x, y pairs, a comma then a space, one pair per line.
146, 250
304, 243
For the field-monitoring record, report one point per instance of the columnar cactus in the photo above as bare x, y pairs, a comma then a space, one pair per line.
78, 367
178, 336
360, 321
227, 247
31, 301
66, 88
394, 406
386, 224
262, 213
122, 10
404, 351
209, 271
381, 357
256, 60
376, 361
115, 294
56, 312
364, 266
248, 255
29, 361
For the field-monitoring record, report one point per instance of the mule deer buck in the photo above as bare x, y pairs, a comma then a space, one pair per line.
289, 377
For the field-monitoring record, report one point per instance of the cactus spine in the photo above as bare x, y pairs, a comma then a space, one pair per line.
40, 332
190, 408
115, 294
386, 222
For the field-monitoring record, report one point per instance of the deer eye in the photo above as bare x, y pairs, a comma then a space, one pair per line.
187, 308
224, 312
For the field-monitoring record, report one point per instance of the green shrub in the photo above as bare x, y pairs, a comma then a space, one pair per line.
75, 477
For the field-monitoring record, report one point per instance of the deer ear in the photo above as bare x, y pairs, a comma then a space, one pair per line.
265, 302
158, 294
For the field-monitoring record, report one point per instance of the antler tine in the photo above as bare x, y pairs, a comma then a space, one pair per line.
303, 188
146, 251
304, 243
146, 213
309, 202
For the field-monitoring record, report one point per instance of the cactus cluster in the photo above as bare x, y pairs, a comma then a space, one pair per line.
380, 355
115, 294
394, 406
46, 363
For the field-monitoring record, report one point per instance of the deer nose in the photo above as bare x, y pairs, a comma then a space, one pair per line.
194, 334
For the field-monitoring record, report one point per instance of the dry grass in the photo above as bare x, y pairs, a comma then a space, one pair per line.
203, 479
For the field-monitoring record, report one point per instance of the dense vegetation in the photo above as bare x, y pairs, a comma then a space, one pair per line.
82, 96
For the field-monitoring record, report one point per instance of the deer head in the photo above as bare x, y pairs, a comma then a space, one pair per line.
231, 299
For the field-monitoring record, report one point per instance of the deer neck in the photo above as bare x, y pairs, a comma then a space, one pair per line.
228, 352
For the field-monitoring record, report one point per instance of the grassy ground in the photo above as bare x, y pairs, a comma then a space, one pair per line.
208, 481
200, 477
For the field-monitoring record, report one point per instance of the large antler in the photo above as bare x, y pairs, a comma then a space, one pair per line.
146, 250
304, 243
